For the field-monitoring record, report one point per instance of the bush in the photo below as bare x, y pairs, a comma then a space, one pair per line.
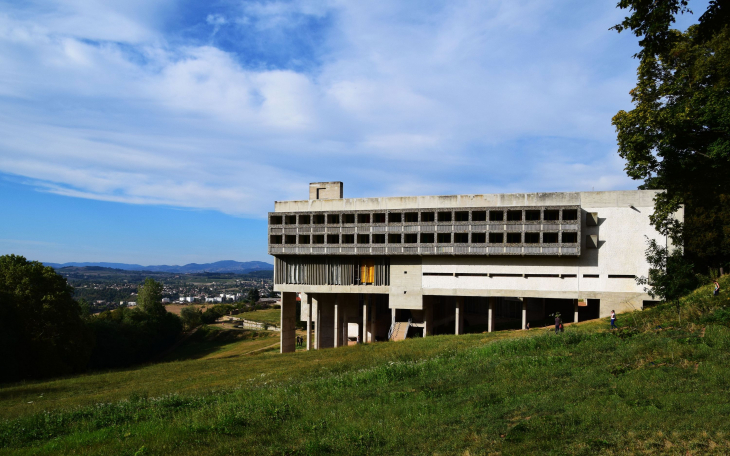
191, 317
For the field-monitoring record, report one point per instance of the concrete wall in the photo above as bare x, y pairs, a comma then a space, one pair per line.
325, 190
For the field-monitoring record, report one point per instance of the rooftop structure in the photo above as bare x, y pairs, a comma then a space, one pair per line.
421, 265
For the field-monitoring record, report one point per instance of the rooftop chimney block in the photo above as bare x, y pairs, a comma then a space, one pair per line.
325, 190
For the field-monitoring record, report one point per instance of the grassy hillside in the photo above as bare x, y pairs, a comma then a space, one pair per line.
657, 386
269, 316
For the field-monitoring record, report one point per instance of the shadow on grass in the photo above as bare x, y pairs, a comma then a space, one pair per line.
208, 341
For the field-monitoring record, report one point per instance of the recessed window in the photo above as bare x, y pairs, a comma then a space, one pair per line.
411, 217
479, 216
427, 238
570, 214
304, 219
363, 218
333, 239
304, 239
275, 239
411, 238
318, 219
461, 216
290, 239
551, 215
514, 216
549, 238
318, 239
427, 217
394, 217
363, 239
445, 216
394, 239
348, 238
532, 238
570, 238
444, 238
496, 238
379, 218
461, 238
333, 219
514, 238
348, 218
378, 239
532, 215
496, 216
478, 238
275, 220
290, 219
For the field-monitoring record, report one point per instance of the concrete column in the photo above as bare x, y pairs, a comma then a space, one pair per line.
364, 326
372, 318
427, 316
490, 321
337, 334
317, 320
459, 316
575, 310
309, 322
287, 337
524, 313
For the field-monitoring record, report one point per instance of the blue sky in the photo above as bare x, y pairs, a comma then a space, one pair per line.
161, 132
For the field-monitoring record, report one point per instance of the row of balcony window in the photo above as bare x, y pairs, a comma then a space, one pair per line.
428, 238
426, 217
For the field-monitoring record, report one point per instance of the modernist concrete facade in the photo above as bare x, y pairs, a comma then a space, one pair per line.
441, 264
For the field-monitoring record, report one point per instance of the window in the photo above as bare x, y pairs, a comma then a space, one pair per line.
514, 216
496, 216
348, 218
570, 238
275, 220
461, 216
304, 239
570, 214
411, 217
318, 239
348, 238
427, 238
367, 271
333, 219
379, 218
394, 239
333, 239
496, 238
318, 219
363, 239
410, 238
461, 238
479, 216
532, 215
290, 219
304, 219
514, 238
275, 239
444, 238
394, 217
551, 215
363, 218
549, 238
290, 239
478, 238
532, 238
378, 239
427, 217
444, 216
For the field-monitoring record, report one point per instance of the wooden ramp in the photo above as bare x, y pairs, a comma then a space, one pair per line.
400, 330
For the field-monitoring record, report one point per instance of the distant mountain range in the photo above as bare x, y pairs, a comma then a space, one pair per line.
218, 266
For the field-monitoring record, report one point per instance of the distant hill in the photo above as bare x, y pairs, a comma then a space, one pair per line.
218, 266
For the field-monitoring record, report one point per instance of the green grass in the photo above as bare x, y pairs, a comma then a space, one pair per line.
268, 316
654, 387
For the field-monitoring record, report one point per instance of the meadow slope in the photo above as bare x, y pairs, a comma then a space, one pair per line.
659, 385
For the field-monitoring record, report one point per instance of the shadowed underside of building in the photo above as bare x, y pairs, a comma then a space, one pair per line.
372, 269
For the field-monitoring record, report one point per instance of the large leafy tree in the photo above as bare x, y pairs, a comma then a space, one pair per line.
42, 332
677, 137
149, 298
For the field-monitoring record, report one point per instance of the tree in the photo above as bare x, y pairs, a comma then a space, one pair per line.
253, 295
41, 329
149, 297
677, 137
191, 317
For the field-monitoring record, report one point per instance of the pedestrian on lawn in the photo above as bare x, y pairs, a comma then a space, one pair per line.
613, 320
557, 324
717, 288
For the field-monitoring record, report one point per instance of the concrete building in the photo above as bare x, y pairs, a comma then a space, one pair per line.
428, 265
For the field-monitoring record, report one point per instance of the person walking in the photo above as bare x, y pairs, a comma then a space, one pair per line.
613, 320
557, 323
717, 288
